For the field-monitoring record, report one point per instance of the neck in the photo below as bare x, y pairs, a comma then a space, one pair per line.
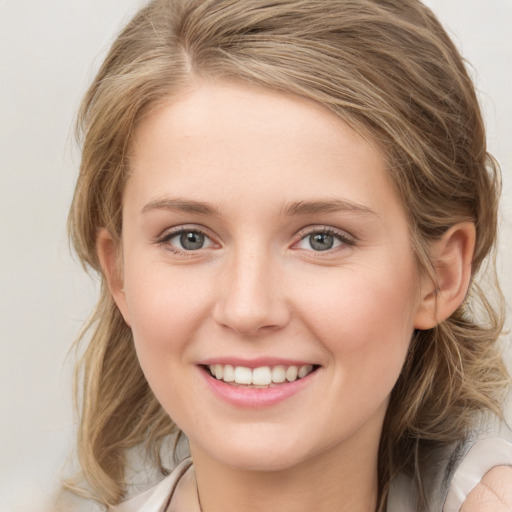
338, 480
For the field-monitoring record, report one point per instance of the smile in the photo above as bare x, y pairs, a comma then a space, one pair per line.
257, 385
262, 376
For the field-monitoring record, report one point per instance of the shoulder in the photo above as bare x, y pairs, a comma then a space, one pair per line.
482, 478
493, 493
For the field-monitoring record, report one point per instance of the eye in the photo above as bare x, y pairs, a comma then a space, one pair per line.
323, 240
186, 240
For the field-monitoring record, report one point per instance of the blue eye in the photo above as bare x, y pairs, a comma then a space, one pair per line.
323, 240
187, 240
191, 240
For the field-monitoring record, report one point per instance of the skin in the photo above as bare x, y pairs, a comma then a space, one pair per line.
258, 288
493, 493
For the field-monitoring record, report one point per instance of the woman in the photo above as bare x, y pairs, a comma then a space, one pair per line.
288, 202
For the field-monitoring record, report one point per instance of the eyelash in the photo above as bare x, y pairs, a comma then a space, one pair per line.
165, 239
345, 240
341, 236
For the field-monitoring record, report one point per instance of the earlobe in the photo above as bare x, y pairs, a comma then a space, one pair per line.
452, 258
109, 256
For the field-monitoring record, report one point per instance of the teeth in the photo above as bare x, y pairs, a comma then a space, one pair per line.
243, 375
304, 370
278, 374
261, 376
229, 374
291, 373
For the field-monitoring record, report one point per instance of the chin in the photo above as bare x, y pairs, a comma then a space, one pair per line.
262, 462
261, 455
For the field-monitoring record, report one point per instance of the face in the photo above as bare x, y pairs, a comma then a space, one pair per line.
263, 242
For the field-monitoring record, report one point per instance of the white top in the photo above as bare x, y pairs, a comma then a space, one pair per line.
158, 498
483, 455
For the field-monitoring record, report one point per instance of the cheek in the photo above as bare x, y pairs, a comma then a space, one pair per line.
365, 321
165, 308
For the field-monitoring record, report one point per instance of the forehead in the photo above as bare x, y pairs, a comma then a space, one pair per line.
223, 142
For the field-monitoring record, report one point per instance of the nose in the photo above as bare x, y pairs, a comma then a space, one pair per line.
251, 299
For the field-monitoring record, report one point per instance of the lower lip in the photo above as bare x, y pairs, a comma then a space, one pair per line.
255, 398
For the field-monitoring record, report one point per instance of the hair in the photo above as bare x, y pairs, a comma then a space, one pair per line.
386, 68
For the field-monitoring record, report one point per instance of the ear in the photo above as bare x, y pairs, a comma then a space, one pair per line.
109, 255
452, 257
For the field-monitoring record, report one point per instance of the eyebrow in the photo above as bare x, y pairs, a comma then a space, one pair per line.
325, 206
296, 208
181, 205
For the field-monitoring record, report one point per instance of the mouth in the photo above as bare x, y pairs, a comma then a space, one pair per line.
262, 377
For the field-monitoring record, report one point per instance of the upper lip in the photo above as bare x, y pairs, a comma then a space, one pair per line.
255, 363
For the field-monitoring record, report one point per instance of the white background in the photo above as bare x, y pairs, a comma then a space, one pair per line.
49, 51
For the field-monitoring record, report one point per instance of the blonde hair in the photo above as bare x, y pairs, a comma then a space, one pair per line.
389, 70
